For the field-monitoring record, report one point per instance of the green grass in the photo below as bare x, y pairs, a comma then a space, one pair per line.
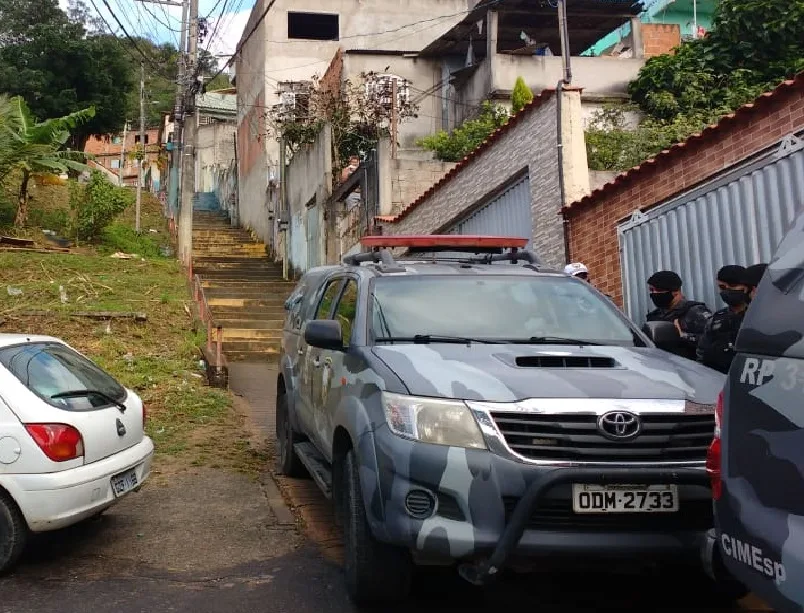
191, 424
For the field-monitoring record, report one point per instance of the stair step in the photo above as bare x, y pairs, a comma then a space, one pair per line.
279, 294
222, 313
251, 346
234, 323
241, 277
251, 356
250, 284
248, 334
245, 303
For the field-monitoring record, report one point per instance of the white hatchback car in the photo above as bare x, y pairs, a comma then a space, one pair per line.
72, 440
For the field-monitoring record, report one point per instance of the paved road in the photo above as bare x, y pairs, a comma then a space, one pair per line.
209, 542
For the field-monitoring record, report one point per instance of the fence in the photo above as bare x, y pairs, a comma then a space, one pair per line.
356, 205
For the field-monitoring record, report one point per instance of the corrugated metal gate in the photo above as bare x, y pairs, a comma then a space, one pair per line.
736, 218
508, 214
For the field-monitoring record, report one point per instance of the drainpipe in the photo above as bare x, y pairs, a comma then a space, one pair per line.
566, 80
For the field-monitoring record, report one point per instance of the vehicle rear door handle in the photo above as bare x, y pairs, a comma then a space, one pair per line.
300, 351
317, 362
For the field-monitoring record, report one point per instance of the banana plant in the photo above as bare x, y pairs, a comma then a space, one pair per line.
35, 149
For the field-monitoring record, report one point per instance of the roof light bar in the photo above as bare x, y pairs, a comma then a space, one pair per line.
445, 241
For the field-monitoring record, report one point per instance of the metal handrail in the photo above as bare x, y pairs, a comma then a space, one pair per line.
205, 314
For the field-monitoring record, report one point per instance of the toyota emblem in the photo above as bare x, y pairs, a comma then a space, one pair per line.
619, 425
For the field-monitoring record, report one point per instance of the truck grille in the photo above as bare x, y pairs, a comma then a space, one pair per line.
664, 438
558, 515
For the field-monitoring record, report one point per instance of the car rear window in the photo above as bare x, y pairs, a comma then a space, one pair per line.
50, 369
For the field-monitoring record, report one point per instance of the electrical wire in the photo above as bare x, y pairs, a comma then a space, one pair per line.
154, 68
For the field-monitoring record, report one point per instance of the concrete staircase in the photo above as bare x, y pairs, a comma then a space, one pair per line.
244, 290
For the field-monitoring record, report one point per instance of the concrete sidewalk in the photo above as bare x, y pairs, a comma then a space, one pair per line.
256, 384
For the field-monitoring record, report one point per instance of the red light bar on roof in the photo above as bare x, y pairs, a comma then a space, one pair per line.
445, 241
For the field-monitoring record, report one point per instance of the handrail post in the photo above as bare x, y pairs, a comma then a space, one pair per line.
219, 339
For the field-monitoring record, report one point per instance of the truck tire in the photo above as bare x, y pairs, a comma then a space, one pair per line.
376, 573
13, 533
286, 437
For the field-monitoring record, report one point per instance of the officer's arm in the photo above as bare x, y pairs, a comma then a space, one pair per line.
704, 343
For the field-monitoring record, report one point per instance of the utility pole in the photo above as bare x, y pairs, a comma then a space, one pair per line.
138, 205
122, 155
178, 109
188, 153
394, 118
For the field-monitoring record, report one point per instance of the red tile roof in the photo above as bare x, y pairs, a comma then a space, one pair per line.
707, 135
490, 140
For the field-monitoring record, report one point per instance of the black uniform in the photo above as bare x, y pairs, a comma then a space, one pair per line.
716, 346
692, 318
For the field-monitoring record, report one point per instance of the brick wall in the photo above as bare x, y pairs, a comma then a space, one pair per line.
593, 220
660, 38
331, 81
528, 142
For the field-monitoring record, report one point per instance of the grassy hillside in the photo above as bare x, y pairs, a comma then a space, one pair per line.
191, 424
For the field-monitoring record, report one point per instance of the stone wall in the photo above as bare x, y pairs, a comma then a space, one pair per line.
410, 179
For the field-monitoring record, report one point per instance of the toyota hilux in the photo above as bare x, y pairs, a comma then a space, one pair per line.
463, 405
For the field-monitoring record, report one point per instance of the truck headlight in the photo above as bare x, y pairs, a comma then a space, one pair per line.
432, 420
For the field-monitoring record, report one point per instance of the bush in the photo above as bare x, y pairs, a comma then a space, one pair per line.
454, 146
95, 205
124, 238
611, 145
521, 95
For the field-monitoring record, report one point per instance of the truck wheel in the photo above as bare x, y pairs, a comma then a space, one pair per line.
376, 573
289, 463
13, 533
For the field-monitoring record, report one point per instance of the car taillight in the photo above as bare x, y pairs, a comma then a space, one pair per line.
60, 442
713, 454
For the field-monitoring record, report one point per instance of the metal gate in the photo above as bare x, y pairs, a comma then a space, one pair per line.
737, 218
508, 214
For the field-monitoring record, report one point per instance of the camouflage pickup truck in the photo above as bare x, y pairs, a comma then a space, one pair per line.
464, 406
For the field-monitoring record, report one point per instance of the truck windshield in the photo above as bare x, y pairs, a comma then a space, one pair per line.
502, 309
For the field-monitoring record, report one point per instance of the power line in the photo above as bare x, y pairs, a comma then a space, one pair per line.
154, 69
246, 39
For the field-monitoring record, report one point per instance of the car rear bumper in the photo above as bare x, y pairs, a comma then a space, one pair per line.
490, 507
54, 500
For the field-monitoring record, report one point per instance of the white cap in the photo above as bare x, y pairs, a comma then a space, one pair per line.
576, 268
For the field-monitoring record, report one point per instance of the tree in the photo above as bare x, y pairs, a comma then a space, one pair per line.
359, 112
454, 146
753, 45
59, 67
35, 149
520, 96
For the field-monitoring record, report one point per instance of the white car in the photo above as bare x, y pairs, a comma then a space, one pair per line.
72, 440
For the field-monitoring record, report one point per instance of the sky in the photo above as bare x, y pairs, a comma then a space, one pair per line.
161, 23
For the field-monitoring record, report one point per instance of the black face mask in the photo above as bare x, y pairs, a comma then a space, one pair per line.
734, 297
662, 299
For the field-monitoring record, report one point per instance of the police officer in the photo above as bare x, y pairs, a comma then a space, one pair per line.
716, 347
577, 269
689, 317
753, 275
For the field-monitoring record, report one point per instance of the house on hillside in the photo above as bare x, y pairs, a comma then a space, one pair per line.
662, 25
114, 154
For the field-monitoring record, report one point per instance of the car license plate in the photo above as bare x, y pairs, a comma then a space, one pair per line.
124, 482
624, 498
